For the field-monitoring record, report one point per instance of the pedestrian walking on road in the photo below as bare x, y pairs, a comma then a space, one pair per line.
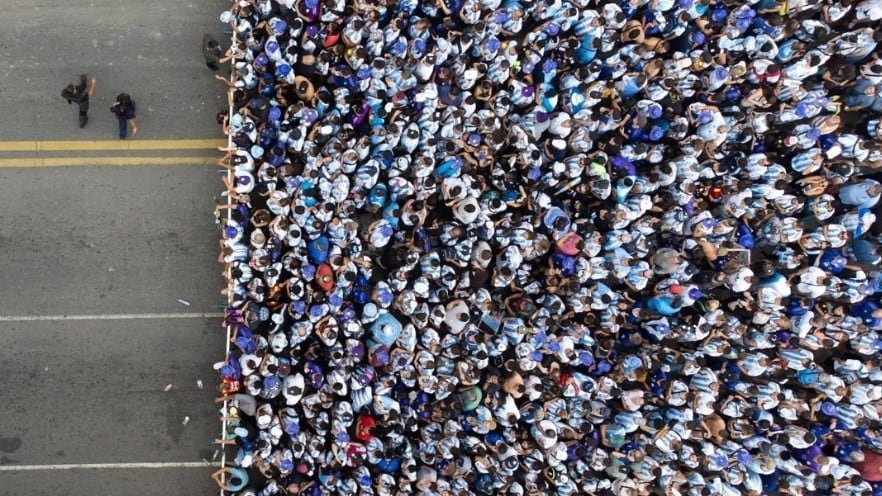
212, 51
79, 93
124, 110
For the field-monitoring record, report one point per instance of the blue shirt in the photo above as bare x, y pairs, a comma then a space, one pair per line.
662, 305
857, 194
863, 251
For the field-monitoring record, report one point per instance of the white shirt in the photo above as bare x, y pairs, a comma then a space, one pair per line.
751, 364
862, 393
810, 282
828, 385
738, 281
869, 9
802, 324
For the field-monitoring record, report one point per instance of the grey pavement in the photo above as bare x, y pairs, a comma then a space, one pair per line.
87, 240
94, 392
108, 240
140, 482
151, 50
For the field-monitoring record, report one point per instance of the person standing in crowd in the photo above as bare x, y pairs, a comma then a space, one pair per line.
80, 92
124, 110
553, 247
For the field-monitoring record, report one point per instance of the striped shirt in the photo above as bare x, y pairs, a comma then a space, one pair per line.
807, 162
849, 414
765, 397
703, 380
751, 364
796, 357
862, 393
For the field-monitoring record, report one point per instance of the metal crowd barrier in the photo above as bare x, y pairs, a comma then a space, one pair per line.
230, 177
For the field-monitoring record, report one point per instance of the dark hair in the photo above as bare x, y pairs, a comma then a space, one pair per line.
69, 90
124, 101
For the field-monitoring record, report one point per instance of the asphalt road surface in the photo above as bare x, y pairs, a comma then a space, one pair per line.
95, 258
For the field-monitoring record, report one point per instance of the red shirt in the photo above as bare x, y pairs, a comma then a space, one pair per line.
871, 467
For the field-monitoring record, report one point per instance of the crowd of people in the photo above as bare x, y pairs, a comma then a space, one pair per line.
553, 247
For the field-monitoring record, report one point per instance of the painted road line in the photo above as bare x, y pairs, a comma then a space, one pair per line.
118, 316
90, 466
39, 162
76, 145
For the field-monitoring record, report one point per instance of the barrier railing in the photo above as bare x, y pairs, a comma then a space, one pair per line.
230, 177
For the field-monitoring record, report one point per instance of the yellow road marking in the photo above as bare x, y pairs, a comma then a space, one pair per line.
76, 145
35, 162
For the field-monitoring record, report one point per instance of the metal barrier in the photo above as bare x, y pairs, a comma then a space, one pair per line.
230, 177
